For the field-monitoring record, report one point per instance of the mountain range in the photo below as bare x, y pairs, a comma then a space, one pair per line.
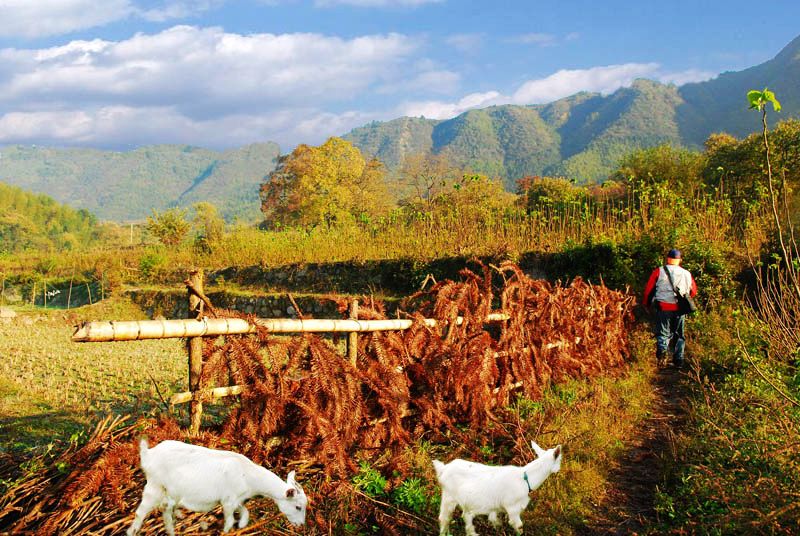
126, 186
581, 137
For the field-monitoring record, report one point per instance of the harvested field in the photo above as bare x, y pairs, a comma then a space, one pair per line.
309, 409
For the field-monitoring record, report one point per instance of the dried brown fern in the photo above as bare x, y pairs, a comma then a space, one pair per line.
306, 406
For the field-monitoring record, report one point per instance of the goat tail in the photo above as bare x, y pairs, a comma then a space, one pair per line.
439, 467
143, 448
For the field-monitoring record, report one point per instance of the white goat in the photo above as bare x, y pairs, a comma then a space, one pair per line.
198, 479
488, 490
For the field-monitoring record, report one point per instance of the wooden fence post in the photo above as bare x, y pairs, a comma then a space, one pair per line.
352, 337
195, 347
69, 294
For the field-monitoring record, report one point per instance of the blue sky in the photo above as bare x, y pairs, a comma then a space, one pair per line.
118, 74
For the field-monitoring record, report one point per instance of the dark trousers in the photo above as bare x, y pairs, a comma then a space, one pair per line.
669, 326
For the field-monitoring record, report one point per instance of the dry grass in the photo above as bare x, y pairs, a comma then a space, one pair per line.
508, 234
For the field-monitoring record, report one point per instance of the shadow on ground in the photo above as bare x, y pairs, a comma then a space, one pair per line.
21, 434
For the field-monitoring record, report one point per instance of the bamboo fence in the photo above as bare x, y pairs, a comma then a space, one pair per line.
193, 329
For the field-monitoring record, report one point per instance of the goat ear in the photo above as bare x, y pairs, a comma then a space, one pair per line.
290, 493
536, 448
290, 479
557, 453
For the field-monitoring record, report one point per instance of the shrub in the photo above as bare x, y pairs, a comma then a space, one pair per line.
169, 227
152, 264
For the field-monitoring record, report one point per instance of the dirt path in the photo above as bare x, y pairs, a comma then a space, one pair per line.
628, 507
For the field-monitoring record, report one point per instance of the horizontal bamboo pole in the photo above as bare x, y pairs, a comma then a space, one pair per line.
221, 392
216, 392
135, 330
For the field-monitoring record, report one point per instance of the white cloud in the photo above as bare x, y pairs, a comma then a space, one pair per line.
558, 85
127, 127
41, 18
18, 127
568, 82
36, 18
541, 39
202, 86
467, 43
178, 9
322, 125
444, 110
207, 69
685, 77
208, 87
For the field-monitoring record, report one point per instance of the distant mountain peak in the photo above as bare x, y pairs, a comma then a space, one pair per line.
790, 53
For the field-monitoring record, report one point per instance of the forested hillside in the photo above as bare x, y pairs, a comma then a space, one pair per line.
583, 136
36, 221
129, 185
715, 106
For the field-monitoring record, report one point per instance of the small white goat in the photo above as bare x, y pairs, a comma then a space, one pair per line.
198, 479
488, 490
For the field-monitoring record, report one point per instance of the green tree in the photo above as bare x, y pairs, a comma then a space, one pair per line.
169, 227
329, 184
681, 170
737, 168
557, 191
209, 227
475, 197
36, 221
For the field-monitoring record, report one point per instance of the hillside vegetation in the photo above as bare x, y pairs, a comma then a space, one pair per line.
581, 137
36, 222
125, 186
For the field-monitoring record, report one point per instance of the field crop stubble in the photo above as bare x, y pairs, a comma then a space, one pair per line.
51, 386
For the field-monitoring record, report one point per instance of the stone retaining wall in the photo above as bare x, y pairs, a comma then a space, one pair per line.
401, 277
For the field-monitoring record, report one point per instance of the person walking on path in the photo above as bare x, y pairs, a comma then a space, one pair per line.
659, 293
